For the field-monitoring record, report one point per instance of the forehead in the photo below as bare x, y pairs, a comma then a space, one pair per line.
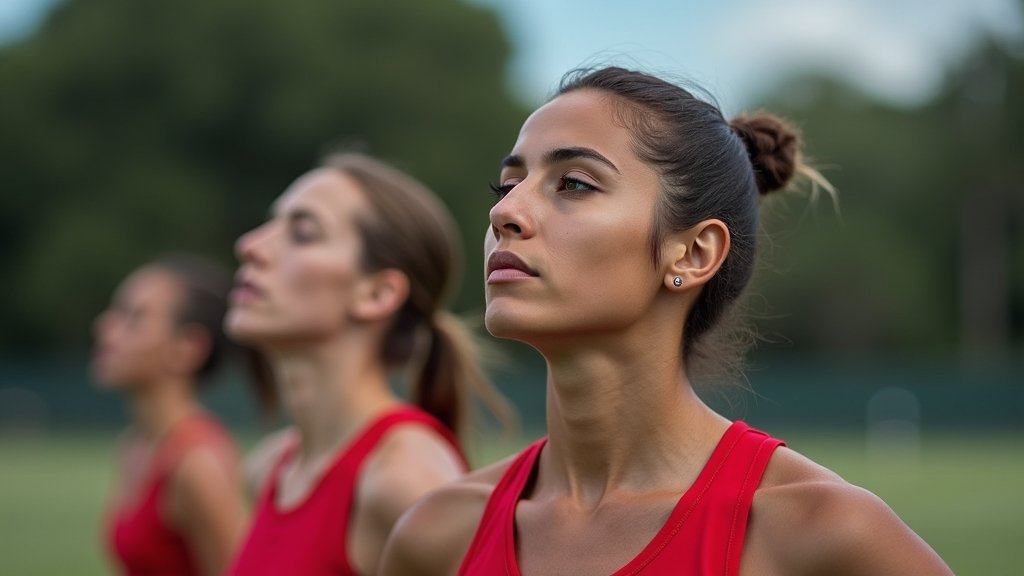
579, 118
329, 194
150, 286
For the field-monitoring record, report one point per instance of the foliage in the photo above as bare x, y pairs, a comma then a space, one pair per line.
928, 253
132, 127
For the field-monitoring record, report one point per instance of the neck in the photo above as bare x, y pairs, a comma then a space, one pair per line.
330, 391
158, 407
622, 414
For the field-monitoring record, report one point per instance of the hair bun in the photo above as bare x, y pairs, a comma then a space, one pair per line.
773, 147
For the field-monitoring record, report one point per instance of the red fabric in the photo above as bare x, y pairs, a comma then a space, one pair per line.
702, 537
139, 538
311, 538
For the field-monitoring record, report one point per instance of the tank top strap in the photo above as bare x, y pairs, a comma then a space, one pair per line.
363, 445
183, 436
351, 457
705, 531
273, 480
494, 540
753, 450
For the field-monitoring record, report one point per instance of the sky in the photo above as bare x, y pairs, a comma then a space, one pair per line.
896, 50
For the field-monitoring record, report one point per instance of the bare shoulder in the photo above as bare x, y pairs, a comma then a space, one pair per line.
805, 519
260, 460
410, 461
433, 536
206, 503
205, 475
411, 456
207, 463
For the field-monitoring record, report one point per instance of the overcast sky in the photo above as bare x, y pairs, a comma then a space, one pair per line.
894, 49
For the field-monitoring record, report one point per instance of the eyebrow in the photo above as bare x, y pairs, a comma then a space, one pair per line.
512, 161
561, 155
302, 214
292, 216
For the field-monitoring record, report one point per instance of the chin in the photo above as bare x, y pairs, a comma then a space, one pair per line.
267, 336
252, 338
106, 379
241, 329
102, 381
100, 373
508, 326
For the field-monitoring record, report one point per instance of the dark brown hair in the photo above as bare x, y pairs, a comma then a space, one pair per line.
410, 230
710, 167
206, 285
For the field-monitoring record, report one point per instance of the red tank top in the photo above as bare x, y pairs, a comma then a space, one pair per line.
311, 538
138, 536
702, 537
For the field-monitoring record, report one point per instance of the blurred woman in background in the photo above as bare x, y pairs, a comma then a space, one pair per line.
340, 288
624, 231
177, 506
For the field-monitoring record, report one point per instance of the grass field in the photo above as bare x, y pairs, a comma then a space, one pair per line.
964, 494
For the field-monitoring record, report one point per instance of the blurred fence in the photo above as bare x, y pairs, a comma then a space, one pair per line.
38, 395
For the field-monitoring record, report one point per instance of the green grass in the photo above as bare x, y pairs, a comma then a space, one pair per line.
963, 494
52, 493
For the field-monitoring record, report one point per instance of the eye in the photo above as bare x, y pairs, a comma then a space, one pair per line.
574, 187
302, 231
502, 190
132, 316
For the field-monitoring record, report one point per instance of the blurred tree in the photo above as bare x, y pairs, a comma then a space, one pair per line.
137, 126
929, 254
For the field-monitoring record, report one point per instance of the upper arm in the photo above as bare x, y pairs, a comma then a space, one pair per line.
433, 536
408, 464
861, 535
207, 506
807, 520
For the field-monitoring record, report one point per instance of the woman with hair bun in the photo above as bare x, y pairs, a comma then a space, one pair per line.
342, 287
623, 234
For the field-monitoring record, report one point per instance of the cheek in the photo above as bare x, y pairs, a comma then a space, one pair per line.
605, 262
133, 355
318, 288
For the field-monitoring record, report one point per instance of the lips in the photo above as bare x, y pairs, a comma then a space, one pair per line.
245, 290
100, 352
505, 266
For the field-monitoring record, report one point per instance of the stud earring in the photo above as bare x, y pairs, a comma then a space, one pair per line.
677, 281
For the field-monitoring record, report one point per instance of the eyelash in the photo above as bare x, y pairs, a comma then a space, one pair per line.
300, 236
500, 191
563, 182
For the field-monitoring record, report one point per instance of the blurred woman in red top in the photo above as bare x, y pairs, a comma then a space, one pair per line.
343, 286
178, 506
623, 233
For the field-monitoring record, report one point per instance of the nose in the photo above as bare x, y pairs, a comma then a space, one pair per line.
511, 216
250, 247
102, 324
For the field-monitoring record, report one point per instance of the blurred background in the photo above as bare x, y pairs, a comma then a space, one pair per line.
893, 347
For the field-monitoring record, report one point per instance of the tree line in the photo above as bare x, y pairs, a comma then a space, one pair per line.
134, 127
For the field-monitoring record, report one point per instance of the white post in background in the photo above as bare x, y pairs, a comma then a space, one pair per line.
893, 426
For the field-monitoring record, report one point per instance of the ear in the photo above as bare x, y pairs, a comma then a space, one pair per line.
190, 349
695, 255
379, 295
